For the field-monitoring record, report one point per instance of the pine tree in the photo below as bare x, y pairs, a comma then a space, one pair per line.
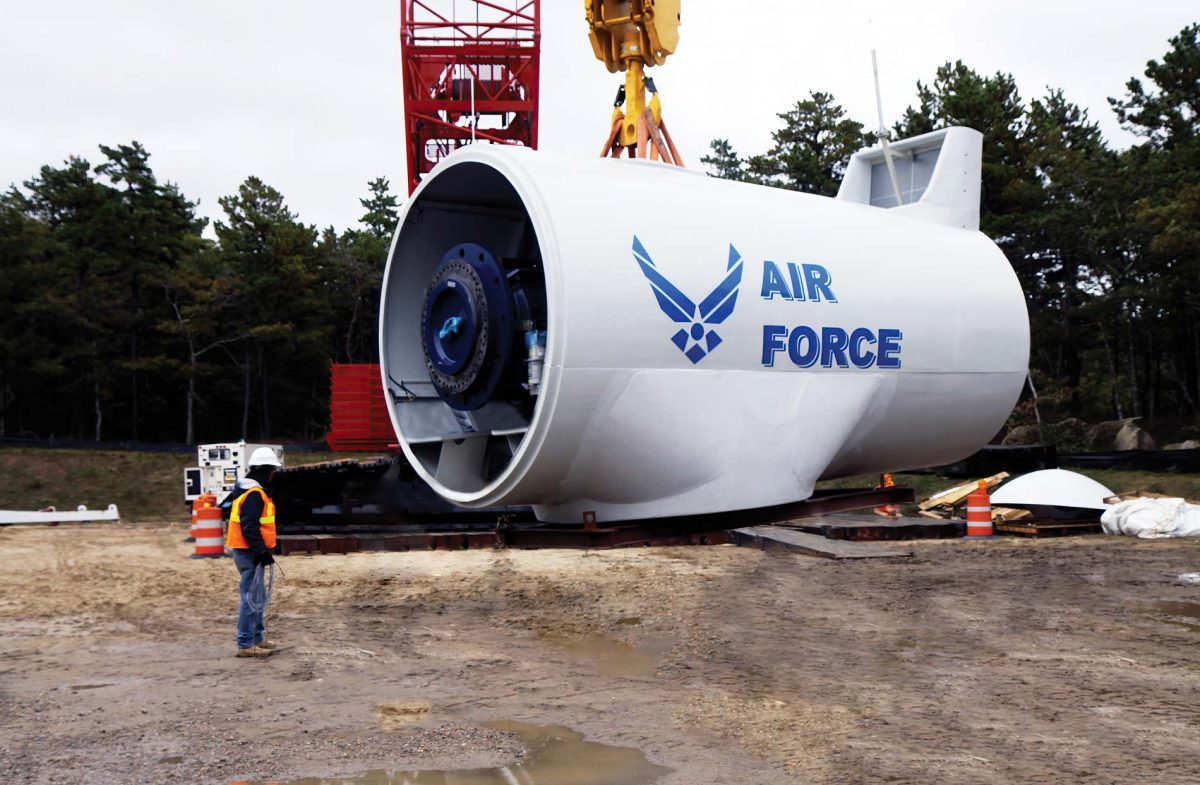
280, 307
724, 162
383, 208
812, 147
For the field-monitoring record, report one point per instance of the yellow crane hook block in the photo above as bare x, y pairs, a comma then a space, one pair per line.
621, 31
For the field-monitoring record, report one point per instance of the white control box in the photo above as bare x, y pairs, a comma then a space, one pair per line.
218, 467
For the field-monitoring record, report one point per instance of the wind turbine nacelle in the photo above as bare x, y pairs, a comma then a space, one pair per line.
640, 341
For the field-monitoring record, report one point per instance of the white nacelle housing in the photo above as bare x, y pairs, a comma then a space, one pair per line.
638, 341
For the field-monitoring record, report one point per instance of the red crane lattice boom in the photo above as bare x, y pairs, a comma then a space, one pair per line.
470, 74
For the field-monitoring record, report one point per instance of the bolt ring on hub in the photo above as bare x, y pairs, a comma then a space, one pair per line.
465, 320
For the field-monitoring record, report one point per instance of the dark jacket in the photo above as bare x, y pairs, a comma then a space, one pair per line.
252, 510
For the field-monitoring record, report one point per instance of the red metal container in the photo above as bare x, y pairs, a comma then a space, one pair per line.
358, 416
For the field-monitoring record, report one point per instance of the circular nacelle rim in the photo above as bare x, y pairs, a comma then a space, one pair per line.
505, 161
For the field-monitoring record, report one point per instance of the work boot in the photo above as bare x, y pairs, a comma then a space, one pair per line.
254, 651
268, 645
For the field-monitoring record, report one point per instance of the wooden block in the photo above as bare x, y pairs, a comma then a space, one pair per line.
453, 541
1038, 529
371, 542
482, 539
951, 496
296, 543
1009, 513
334, 543
407, 542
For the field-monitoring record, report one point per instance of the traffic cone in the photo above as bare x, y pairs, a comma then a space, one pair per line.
979, 512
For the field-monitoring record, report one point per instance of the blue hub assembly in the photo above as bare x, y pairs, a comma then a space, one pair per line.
467, 326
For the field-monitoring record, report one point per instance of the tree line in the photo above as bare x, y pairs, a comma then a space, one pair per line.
125, 320
126, 317
1105, 242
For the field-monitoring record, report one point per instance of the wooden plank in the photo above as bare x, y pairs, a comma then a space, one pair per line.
1009, 513
370, 542
931, 514
297, 543
1048, 528
335, 543
771, 537
951, 496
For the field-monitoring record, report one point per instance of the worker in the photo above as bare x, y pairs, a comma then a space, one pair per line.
251, 538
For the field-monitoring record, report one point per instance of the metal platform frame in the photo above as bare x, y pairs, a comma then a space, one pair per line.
511, 531
471, 73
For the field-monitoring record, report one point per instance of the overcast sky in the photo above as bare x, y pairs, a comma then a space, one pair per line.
307, 94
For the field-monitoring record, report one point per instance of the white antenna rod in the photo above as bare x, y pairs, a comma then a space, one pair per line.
883, 133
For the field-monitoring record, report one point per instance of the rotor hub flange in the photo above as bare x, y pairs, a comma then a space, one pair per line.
466, 326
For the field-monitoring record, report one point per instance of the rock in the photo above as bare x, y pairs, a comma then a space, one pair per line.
1069, 435
1102, 437
1022, 434
1119, 435
1133, 437
1190, 444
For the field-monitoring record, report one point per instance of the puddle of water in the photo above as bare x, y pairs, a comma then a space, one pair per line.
630, 620
557, 756
611, 656
1188, 609
1180, 610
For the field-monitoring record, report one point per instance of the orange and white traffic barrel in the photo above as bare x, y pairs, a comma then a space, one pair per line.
201, 501
979, 512
208, 530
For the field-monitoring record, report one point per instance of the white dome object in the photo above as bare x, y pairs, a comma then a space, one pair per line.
1053, 488
264, 456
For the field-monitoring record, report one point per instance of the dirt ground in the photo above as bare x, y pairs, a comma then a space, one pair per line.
1055, 661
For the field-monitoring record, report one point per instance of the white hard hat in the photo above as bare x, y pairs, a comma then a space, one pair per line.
264, 456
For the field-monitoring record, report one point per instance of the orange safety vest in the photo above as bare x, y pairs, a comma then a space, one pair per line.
234, 538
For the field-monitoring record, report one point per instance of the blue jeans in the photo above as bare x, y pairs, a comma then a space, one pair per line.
249, 622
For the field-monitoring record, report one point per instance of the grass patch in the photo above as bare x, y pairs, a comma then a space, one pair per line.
149, 486
144, 486
1185, 485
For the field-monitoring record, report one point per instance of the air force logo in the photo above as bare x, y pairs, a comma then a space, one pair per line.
695, 341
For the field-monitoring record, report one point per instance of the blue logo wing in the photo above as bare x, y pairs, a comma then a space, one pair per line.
717, 306
673, 302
